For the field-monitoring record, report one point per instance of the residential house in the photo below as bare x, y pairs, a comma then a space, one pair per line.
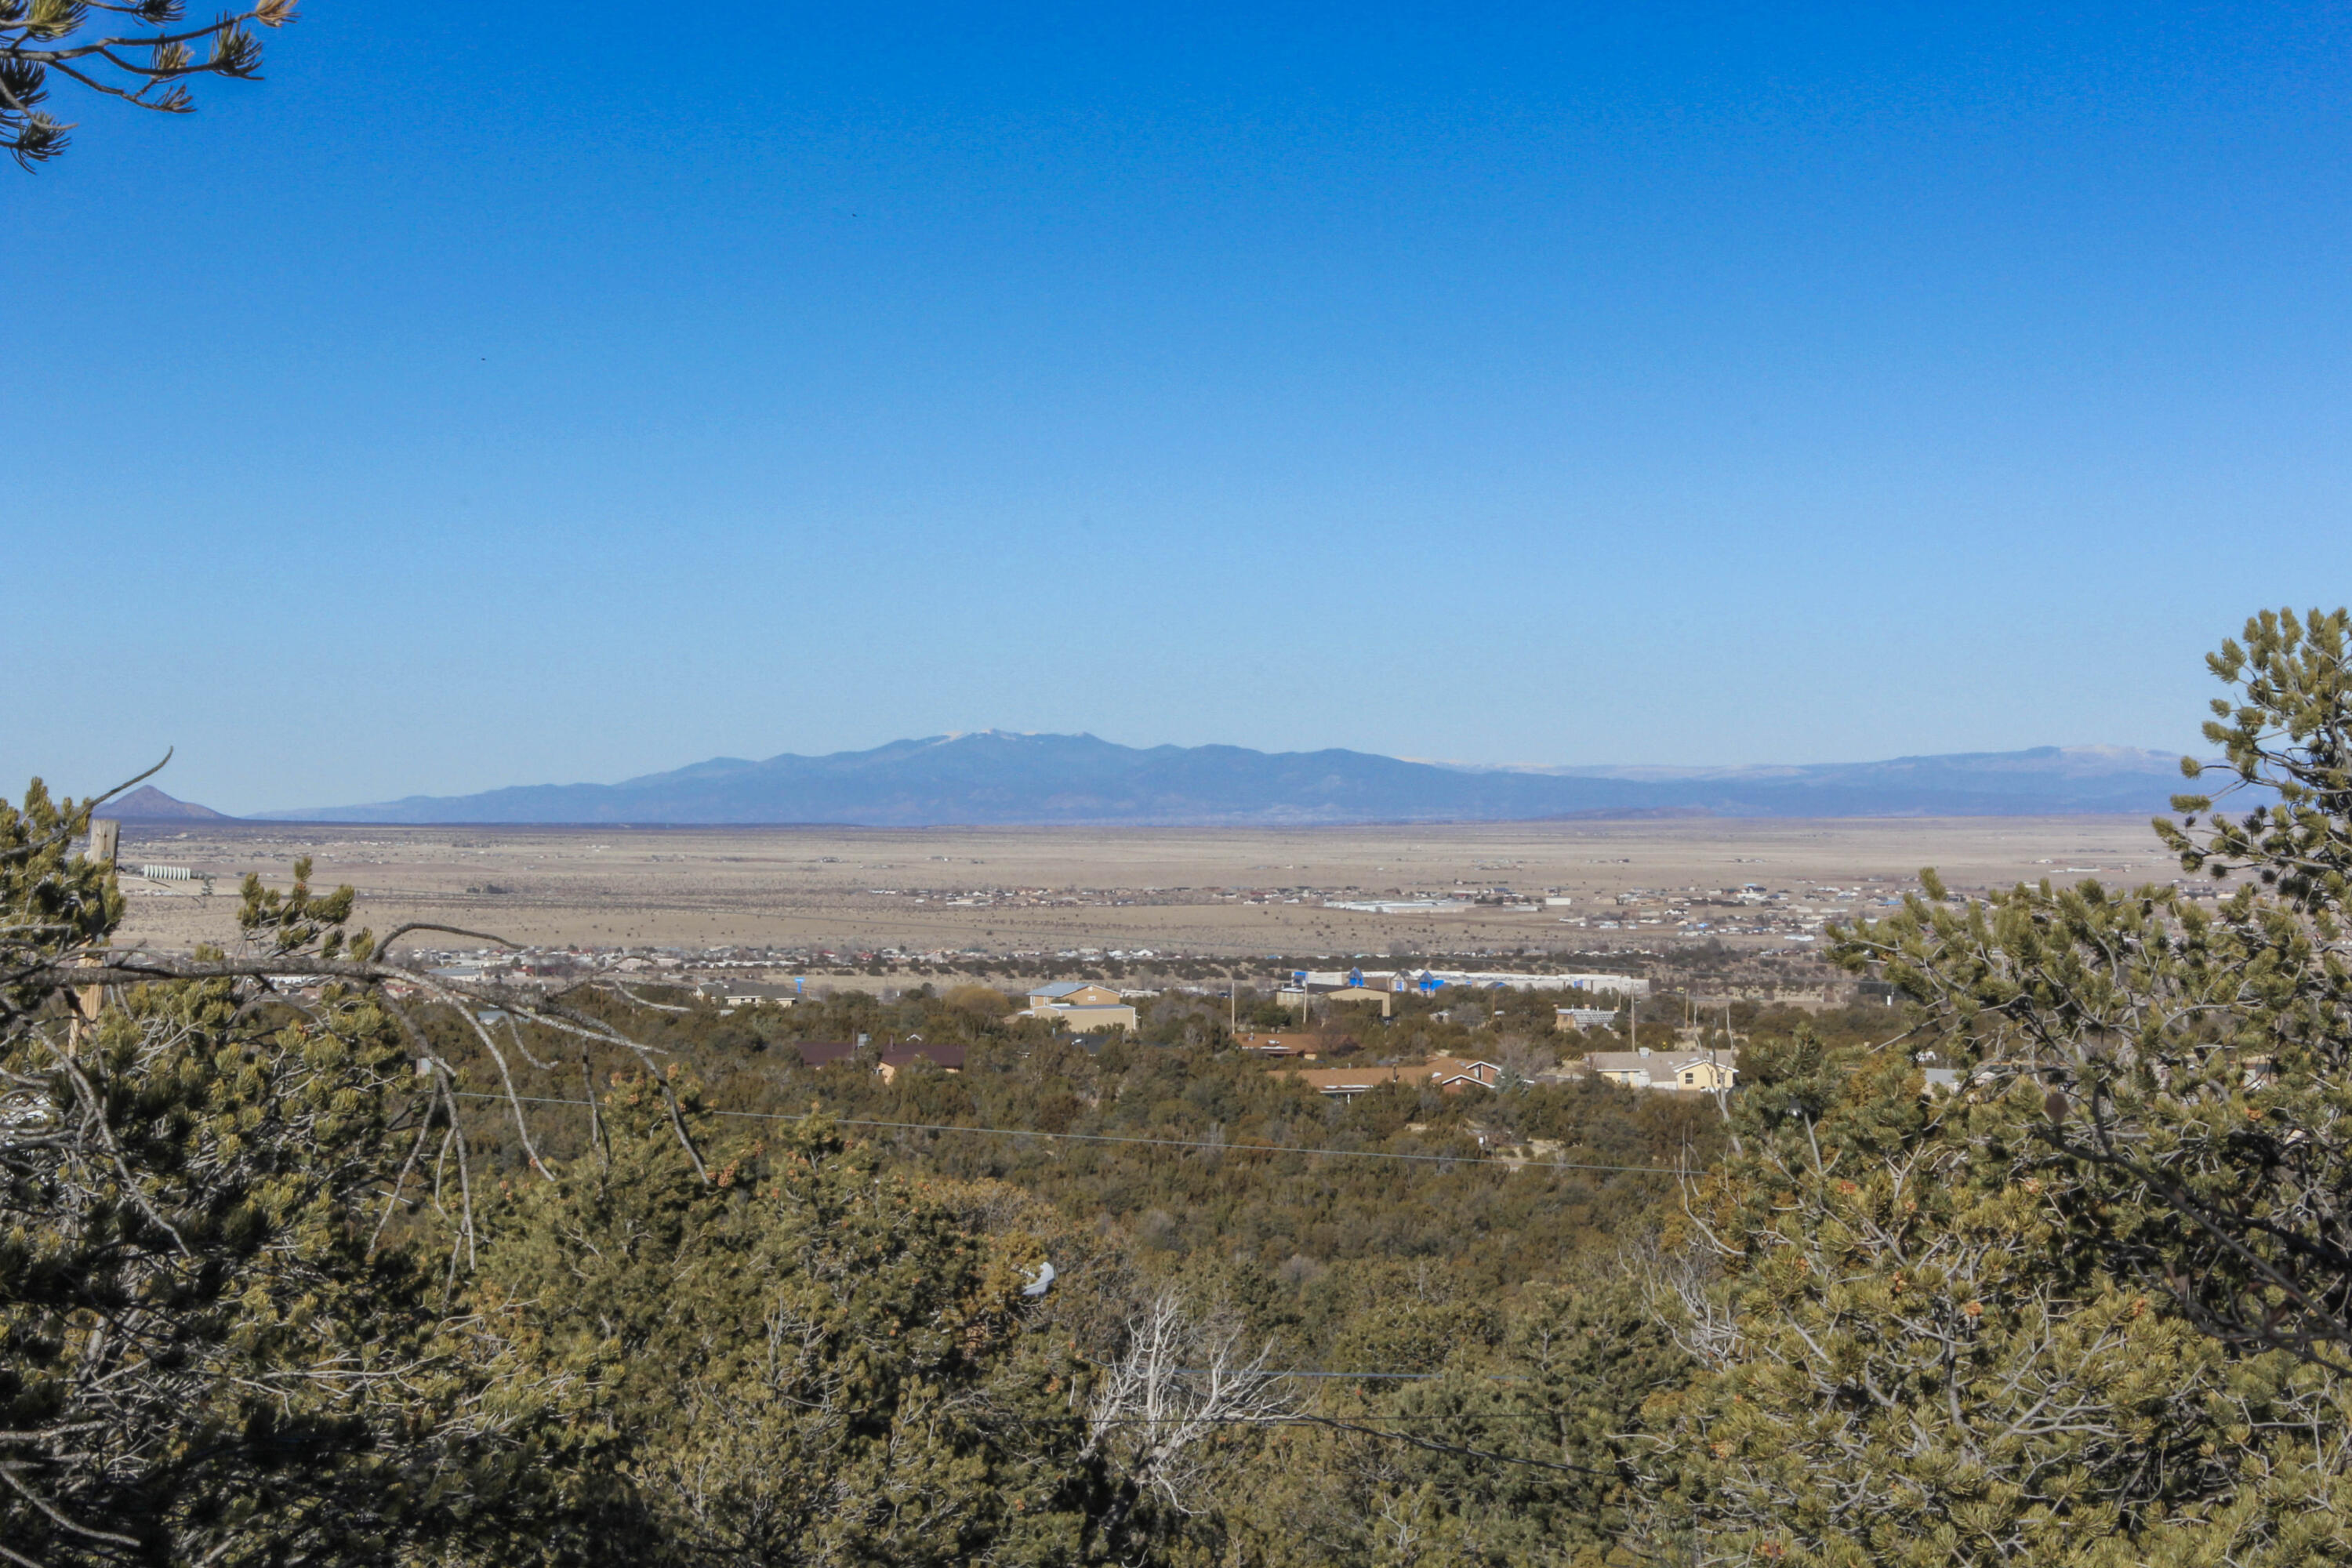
1700, 1072
1453, 1073
1584, 1017
1449, 1075
946, 1055
1282, 1043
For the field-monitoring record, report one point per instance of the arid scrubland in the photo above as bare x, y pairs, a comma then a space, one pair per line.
1196, 891
2025, 1249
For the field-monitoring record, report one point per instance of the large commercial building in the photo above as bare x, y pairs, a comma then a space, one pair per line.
1082, 1006
1430, 979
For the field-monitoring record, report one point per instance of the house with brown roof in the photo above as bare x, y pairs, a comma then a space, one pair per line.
1452, 1073
824, 1052
1449, 1075
946, 1055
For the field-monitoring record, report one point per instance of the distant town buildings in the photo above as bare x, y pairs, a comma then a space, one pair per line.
1319, 982
1299, 998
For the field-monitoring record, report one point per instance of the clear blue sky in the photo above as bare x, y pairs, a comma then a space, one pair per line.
515, 393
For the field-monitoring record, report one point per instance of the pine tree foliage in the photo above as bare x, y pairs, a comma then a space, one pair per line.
205, 1353
236, 1322
144, 53
2093, 1304
806, 1361
359, 1274
2288, 734
1911, 1360
2194, 1065
1527, 1450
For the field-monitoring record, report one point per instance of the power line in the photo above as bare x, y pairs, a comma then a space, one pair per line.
1467, 1417
1390, 1377
1300, 1419
1459, 1448
1116, 1137
1289, 1372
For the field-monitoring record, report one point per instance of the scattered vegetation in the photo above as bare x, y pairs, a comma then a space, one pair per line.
307, 1257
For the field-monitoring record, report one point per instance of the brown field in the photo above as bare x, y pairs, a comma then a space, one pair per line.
1210, 892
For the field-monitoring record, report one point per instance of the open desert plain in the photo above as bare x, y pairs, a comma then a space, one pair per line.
1206, 892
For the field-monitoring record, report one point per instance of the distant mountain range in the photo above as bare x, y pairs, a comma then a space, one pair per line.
992, 776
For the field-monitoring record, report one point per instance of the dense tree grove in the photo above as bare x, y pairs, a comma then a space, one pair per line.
373, 1272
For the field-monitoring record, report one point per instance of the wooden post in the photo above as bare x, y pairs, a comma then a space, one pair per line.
105, 845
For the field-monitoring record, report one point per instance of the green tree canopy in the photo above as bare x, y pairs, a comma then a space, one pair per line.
208, 1348
2091, 1304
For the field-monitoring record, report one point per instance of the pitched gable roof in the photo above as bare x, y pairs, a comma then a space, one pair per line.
946, 1055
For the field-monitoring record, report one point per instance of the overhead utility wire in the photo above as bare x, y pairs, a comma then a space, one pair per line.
1116, 1138
1251, 1148
1406, 1376
1459, 1448
1425, 1417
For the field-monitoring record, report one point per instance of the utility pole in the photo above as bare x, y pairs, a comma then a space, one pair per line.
105, 844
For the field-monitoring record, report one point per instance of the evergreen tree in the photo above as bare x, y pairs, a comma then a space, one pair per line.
142, 53
2092, 1305
806, 1361
2194, 1065
209, 1350
1910, 1359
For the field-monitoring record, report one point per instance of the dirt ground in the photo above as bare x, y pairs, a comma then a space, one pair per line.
1208, 893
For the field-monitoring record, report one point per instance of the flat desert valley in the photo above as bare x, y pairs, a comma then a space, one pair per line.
1199, 892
